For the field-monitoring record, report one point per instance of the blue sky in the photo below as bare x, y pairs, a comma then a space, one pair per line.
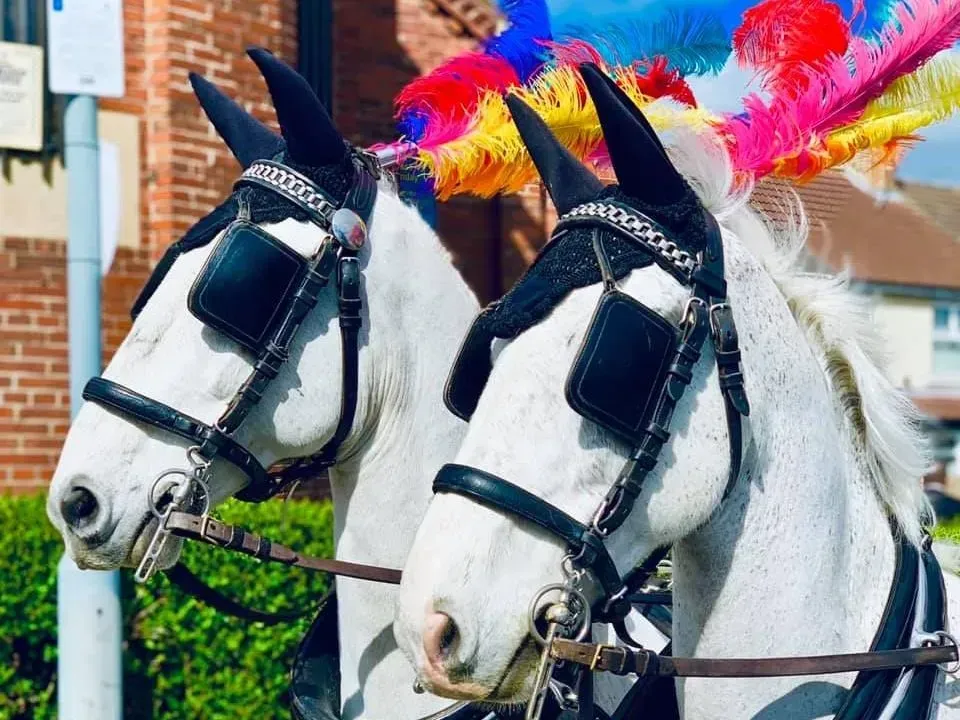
935, 160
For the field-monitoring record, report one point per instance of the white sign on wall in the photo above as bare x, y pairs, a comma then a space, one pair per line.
21, 96
85, 46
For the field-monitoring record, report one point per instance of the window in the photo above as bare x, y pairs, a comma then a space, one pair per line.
24, 21
946, 342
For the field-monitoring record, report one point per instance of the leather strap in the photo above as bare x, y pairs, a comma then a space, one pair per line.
189, 583
213, 532
645, 663
125, 402
275, 354
499, 494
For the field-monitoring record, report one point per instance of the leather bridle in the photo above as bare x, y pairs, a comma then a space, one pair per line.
344, 229
568, 620
707, 315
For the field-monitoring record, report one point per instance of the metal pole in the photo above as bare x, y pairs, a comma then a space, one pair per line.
89, 620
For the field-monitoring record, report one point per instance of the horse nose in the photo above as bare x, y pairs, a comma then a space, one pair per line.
79, 507
441, 639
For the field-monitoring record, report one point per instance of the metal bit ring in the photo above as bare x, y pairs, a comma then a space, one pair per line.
581, 614
153, 496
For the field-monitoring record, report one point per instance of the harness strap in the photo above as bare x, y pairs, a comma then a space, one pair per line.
123, 401
495, 492
646, 663
189, 583
273, 357
213, 532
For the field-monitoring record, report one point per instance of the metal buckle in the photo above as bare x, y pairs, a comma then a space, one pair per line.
714, 323
941, 638
620, 652
688, 314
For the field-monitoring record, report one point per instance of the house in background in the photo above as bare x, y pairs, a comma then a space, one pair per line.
900, 242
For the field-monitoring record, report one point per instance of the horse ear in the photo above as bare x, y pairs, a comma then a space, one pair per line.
569, 183
311, 138
248, 138
642, 166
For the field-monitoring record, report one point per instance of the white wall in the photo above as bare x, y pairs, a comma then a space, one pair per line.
907, 325
34, 206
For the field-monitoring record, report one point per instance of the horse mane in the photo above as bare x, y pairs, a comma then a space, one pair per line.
884, 424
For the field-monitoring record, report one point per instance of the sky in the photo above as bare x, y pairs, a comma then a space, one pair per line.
934, 160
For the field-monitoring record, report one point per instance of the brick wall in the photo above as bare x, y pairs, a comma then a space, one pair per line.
185, 170
34, 389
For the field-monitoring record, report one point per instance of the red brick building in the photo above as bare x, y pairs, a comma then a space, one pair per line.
173, 169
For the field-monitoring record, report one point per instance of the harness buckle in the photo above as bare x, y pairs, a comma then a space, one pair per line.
611, 651
942, 638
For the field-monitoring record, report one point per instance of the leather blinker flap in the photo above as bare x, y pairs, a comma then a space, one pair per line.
621, 365
246, 285
470, 371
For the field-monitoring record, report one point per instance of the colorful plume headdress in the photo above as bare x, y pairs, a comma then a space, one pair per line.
827, 94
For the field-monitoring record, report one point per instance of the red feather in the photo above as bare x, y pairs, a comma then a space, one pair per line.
450, 93
656, 81
785, 39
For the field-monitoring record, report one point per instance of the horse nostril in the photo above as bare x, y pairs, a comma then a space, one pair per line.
441, 637
79, 507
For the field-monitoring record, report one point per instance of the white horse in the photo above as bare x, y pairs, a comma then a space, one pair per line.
798, 560
416, 309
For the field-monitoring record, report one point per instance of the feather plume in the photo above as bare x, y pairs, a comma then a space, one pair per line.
771, 135
784, 39
521, 44
445, 98
922, 98
491, 158
694, 42
448, 95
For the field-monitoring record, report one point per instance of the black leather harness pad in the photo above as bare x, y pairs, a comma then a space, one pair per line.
621, 365
470, 372
246, 285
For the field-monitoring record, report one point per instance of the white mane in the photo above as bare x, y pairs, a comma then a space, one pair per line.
881, 422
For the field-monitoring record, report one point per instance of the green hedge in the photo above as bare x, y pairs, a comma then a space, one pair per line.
948, 531
182, 660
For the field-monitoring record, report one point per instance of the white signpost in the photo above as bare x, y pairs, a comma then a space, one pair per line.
85, 39
85, 50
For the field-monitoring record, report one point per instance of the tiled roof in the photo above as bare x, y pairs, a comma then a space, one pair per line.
942, 205
478, 17
822, 198
889, 241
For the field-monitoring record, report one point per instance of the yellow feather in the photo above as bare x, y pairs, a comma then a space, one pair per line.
491, 158
926, 96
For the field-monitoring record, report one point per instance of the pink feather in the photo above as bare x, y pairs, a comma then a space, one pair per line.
785, 134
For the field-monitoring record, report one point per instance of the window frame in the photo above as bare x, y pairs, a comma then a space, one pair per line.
949, 335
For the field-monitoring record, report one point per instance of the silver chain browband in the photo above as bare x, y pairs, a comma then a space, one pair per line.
293, 186
638, 227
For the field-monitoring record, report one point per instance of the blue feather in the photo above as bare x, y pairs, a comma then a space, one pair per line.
521, 44
876, 14
695, 42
